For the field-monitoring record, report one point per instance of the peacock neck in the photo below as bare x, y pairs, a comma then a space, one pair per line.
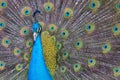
38, 69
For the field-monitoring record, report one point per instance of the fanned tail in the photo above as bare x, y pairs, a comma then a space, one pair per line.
83, 38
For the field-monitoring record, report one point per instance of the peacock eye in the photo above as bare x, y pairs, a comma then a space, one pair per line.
94, 4
116, 71
76, 67
90, 28
68, 13
17, 51
63, 69
24, 31
65, 55
2, 65
26, 11
19, 67
53, 28
58, 45
106, 48
6, 42
29, 43
48, 7
78, 44
116, 30
3, 4
2, 24
91, 62
118, 5
117, 8
26, 56
64, 33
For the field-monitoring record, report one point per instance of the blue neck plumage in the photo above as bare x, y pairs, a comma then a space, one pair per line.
37, 68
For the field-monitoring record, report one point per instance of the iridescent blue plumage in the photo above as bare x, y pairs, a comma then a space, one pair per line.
38, 69
35, 27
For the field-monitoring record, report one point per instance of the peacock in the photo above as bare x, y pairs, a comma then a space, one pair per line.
59, 39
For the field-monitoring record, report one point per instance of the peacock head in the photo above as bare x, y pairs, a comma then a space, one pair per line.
36, 27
